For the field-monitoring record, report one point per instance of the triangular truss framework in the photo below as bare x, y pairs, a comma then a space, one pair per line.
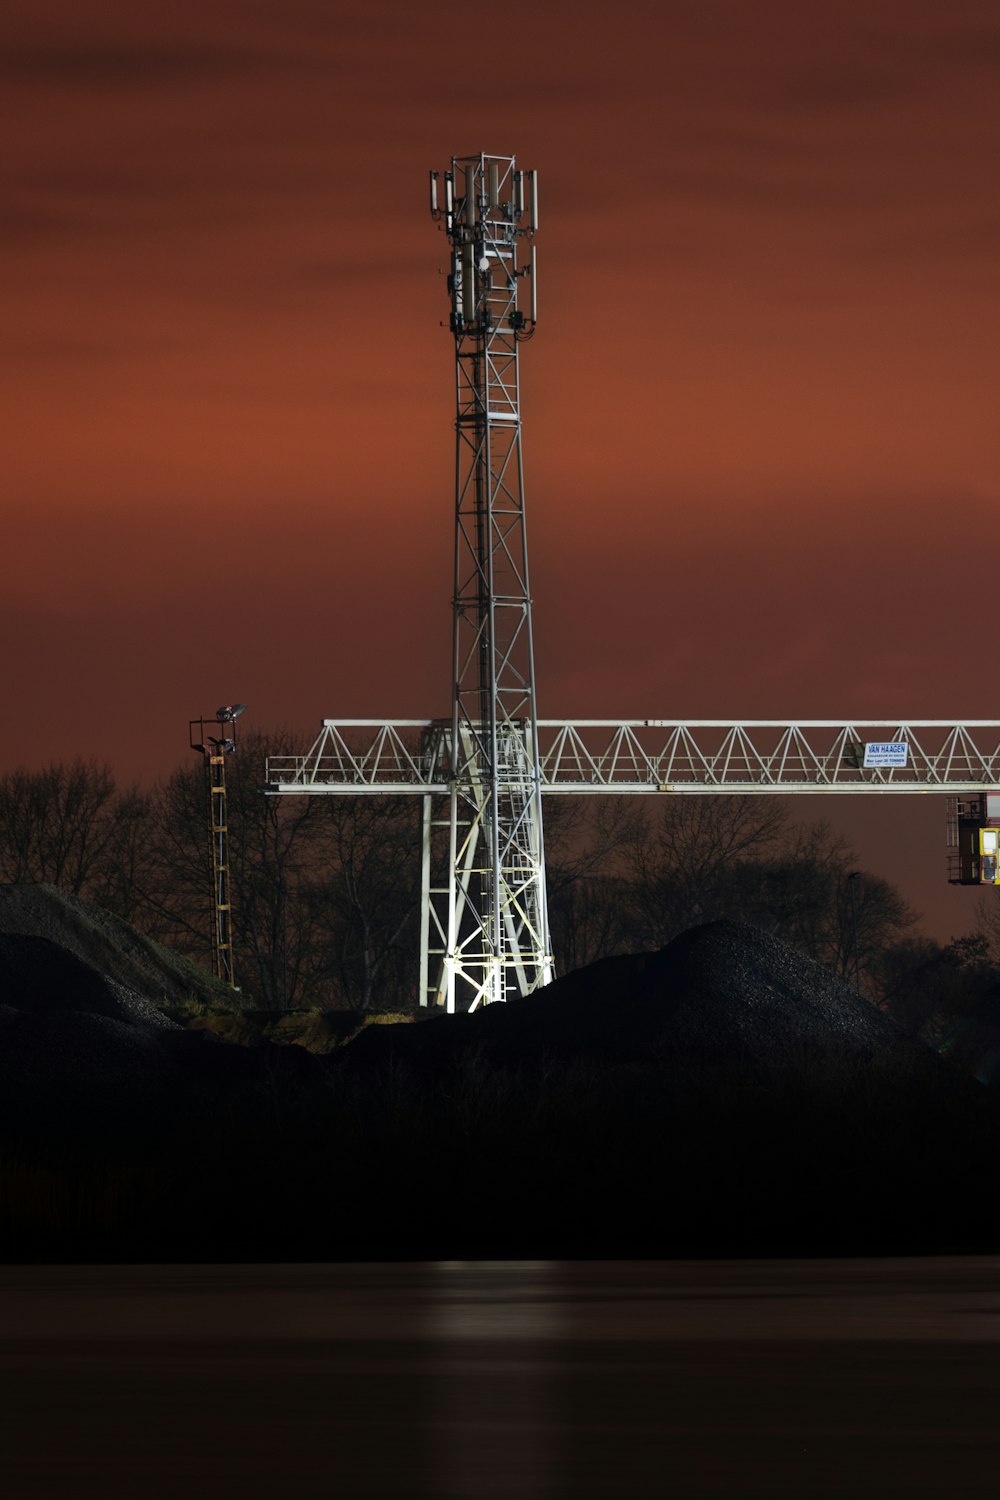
637, 757
484, 925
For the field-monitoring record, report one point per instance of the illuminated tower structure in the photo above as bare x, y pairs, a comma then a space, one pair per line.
483, 926
487, 923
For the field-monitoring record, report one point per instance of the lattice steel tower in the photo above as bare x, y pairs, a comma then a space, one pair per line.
489, 921
483, 923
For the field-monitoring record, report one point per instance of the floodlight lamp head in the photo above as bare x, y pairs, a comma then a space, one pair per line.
230, 711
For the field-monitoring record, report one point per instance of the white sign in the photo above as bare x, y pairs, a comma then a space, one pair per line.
886, 753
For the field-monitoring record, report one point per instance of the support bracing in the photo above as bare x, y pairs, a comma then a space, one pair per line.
481, 774
674, 757
489, 914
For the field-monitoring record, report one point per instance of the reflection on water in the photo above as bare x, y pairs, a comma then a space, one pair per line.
804, 1379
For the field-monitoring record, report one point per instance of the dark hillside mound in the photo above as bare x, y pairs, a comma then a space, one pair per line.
82, 1055
724, 1096
109, 945
39, 976
725, 994
737, 989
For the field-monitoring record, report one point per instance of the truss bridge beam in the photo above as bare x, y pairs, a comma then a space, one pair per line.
649, 756
482, 773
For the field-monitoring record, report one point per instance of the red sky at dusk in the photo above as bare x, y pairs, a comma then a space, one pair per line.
759, 430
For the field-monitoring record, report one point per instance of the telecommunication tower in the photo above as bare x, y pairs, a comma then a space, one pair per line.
216, 749
489, 922
484, 926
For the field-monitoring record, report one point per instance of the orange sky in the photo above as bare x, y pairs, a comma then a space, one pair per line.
760, 440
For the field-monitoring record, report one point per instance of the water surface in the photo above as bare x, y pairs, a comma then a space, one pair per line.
773, 1378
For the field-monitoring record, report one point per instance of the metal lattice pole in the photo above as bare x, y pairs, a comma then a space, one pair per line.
222, 903
491, 910
216, 749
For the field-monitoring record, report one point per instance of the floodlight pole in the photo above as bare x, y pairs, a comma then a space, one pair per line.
487, 922
216, 749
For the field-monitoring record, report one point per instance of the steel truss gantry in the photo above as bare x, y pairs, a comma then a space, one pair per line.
355, 757
484, 925
641, 757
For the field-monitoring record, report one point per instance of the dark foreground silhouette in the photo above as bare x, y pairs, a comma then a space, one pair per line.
722, 1097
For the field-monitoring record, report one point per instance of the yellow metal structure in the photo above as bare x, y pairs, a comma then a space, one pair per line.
216, 749
222, 929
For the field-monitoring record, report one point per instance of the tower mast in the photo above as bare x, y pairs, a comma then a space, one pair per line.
216, 749
490, 915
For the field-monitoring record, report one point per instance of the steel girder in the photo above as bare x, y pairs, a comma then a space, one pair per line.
598, 757
484, 924
644, 756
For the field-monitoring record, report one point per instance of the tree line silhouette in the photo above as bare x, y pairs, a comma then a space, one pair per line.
326, 889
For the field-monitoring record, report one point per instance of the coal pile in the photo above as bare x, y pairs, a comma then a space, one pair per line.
84, 1058
725, 993
42, 978
109, 945
724, 1096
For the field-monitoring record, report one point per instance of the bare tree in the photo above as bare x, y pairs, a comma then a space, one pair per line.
699, 859
367, 900
689, 862
325, 889
988, 915
117, 883
175, 875
69, 825
593, 917
274, 849
810, 894
590, 853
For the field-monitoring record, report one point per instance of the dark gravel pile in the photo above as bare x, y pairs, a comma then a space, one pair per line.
105, 943
724, 1097
42, 978
725, 994
736, 988
83, 1056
